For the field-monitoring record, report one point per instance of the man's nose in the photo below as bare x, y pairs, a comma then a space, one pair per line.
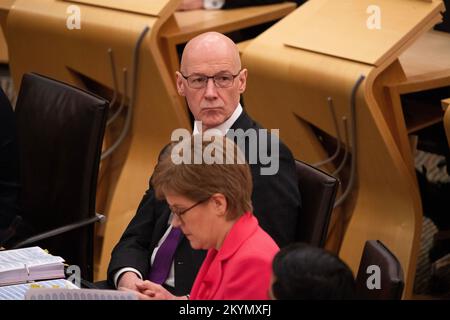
211, 90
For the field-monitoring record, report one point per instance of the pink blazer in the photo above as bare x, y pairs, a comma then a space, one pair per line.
241, 268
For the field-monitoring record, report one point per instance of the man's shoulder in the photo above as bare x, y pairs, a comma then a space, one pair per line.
246, 126
244, 122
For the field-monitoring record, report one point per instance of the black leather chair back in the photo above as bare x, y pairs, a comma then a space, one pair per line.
9, 171
60, 134
318, 190
387, 267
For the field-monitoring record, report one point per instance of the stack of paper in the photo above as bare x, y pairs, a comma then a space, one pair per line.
19, 291
81, 294
29, 264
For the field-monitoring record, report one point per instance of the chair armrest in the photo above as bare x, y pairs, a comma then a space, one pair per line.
48, 234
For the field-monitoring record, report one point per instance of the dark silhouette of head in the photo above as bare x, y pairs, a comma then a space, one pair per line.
304, 272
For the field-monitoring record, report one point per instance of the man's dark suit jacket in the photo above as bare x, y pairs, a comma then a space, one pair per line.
276, 204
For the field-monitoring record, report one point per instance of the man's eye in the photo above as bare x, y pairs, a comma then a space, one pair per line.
223, 78
197, 79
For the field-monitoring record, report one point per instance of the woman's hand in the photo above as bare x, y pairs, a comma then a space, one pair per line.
152, 291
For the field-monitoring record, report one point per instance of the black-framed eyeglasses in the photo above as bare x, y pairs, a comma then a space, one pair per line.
221, 80
179, 213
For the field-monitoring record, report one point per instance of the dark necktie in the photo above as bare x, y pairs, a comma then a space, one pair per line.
164, 257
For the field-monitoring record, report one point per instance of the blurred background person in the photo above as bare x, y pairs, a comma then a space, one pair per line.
304, 272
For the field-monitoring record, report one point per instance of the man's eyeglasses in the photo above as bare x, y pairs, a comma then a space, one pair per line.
221, 80
179, 213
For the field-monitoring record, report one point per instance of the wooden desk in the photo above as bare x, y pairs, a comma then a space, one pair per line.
5, 6
445, 104
42, 44
431, 53
426, 66
185, 25
3, 48
319, 51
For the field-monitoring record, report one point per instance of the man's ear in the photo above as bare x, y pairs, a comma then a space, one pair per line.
220, 203
243, 80
180, 84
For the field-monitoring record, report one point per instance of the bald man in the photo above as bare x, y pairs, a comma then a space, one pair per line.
211, 79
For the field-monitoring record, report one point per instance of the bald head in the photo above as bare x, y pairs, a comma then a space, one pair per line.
207, 60
212, 47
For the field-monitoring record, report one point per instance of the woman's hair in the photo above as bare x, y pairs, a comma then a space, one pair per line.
198, 167
305, 272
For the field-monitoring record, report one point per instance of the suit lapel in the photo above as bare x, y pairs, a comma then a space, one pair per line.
160, 227
243, 122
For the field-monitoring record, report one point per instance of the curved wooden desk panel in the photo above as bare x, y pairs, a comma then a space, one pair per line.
3, 48
184, 25
152, 8
40, 42
5, 6
288, 89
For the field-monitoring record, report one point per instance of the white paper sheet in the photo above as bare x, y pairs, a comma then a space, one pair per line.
17, 292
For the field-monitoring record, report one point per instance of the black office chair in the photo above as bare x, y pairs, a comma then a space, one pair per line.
60, 131
9, 171
382, 260
318, 191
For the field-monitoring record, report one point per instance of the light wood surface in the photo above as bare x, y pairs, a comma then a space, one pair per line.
445, 104
429, 54
185, 25
152, 8
79, 57
426, 66
243, 45
5, 6
319, 51
46, 46
385, 203
3, 48
338, 34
